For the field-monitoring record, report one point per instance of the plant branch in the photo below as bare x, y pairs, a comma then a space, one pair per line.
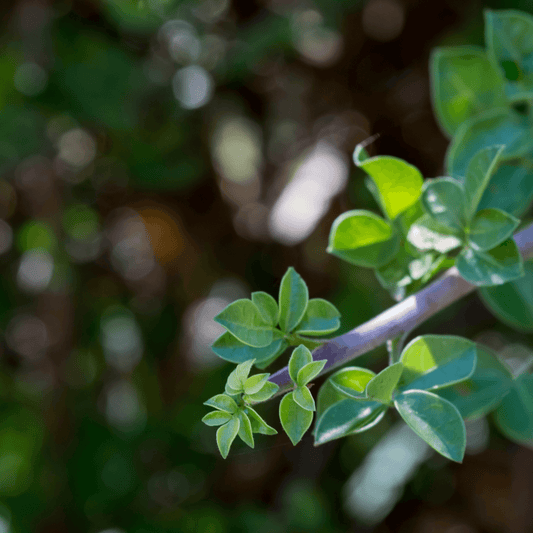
400, 319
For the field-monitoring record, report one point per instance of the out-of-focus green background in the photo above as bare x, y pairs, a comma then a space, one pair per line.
159, 159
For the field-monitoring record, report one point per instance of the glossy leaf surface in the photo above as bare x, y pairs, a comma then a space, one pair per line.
443, 200
491, 227
351, 380
295, 419
320, 318
346, 417
434, 361
435, 420
300, 357
397, 182
309, 372
267, 306
427, 234
303, 397
244, 321
381, 387
363, 238
231, 349
493, 267
293, 298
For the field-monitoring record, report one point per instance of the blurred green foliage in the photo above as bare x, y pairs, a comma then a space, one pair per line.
121, 237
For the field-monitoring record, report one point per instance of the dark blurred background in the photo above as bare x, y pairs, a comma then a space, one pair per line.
159, 159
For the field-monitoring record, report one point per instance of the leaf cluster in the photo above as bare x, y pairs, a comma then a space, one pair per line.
262, 330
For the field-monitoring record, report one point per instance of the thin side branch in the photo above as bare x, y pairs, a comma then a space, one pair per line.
402, 318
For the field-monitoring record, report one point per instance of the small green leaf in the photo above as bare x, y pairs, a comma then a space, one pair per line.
261, 365
245, 429
238, 377
303, 397
427, 234
347, 417
258, 424
300, 357
443, 199
464, 84
309, 372
244, 321
484, 390
231, 349
268, 390
478, 173
434, 361
514, 416
435, 420
293, 298
351, 380
363, 238
222, 402
398, 183
381, 387
509, 43
320, 318
295, 419
216, 418
267, 306
512, 303
491, 227
255, 383
510, 188
226, 435
493, 267
494, 127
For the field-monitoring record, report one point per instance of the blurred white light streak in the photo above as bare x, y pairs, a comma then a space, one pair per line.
306, 199
375, 487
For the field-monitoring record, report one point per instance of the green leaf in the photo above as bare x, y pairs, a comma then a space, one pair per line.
398, 183
300, 357
443, 199
351, 380
495, 127
512, 303
222, 402
348, 417
320, 318
244, 321
509, 39
363, 238
434, 361
267, 306
435, 420
427, 234
216, 418
231, 349
238, 377
245, 429
510, 188
293, 298
464, 84
295, 419
490, 227
484, 390
326, 397
309, 372
478, 173
268, 390
226, 435
381, 387
261, 365
258, 424
493, 267
303, 397
255, 383
514, 416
